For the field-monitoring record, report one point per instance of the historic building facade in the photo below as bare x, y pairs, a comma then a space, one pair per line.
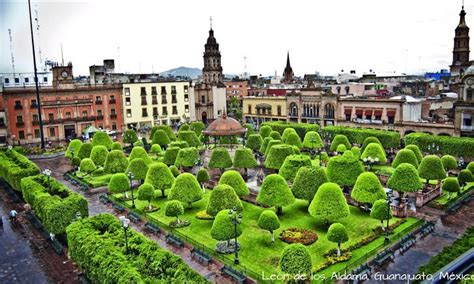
464, 107
312, 105
461, 47
288, 74
264, 108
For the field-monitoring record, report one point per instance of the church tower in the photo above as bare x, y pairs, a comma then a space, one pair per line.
288, 72
212, 71
461, 47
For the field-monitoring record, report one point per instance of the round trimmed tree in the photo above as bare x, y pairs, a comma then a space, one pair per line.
139, 152
374, 151
223, 228
174, 208
160, 138
344, 169
138, 144
102, 138
341, 148
183, 127
115, 162
203, 176
451, 185
464, 177
269, 221
179, 144
416, 150
87, 166
337, 233
119, 183
277, 155
339, 139
307, 182
186, 189
270, 144
286, 133
170, 155
85, 151
381, 211
98, 155
292, 164
265, 131
130, 137
244, 158
198, 127
275, 193
430, 168
405, 178
160, 176
369, 140
73, 148
449, 162
250, 129
296, 261
223, 197
146, 192
265, 142
368, 189
294, 140
167, 129
116, 146
187, 157
356, 151
220, 159
470, 167
405, 156
275, 135
174, 170
312, 140
190, 137
254, 142
235, 180
138, 168
155, 149
329, 204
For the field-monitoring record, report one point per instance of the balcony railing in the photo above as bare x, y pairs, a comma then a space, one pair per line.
17, 107
36, 122
293, 114
113, 115
144, 103
33, 106
174, 101
98, 102
112, 101
164, 101
99, 117
467, 128
20, 123
154, 102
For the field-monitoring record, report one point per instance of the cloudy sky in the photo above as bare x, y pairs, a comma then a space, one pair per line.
324, 36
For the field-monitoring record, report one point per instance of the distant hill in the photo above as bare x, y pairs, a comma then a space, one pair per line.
182, 71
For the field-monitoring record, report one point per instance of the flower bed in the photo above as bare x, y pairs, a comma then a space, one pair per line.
297, 235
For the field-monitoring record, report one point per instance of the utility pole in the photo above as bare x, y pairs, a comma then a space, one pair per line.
11, 51
39, 40
38, 99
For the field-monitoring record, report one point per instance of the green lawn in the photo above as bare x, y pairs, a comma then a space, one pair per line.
257, 253
443, 199
97, 181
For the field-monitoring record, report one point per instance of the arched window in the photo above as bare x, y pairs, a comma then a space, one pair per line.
293, 109
329, 111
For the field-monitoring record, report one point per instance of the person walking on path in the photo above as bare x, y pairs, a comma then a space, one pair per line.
13, 214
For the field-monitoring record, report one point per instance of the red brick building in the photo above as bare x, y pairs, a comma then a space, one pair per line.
237, 89
67, 109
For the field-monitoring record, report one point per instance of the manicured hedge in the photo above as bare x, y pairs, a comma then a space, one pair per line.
220, 159
54, 204
235, 180
277, 155
14, 167
292, 164
389, 139
187, 157
339, 140
197, 127
316, 143
244, 158
102, 138
223, 197
99, 154
97, 246
344, 169
116, 162
190, 137
130, 137
456, 146
254, 142
170, 155
74, 145
300, 128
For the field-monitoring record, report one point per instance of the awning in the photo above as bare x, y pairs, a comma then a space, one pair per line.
368, 112
359, 111
391, 112
348, 111
378, 112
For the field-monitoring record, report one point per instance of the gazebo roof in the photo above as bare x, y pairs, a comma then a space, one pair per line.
224, 126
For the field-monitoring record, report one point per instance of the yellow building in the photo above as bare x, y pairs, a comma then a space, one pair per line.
260, 109
155, 103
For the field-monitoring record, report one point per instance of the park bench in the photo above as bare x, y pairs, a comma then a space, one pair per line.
174, 240
238, 276
104, 199
119, 208
83, 187
383, 256
361, 271
427, 228
453, 208
200, 256
406, 242
153, 227
134, 217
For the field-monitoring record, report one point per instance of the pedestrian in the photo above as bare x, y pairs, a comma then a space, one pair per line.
13, 214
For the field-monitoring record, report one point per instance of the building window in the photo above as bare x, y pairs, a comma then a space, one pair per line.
21, 134
129, 113
34, 104
99, 112
163, 90
51, 116
175, 110
153, 91
163, 99
114, 126
98, 100
18, 105
144, 103
127, 101
469, 94
112, 111
143, 91
186, 108
164, 111
112, 99
17, 80
154, 100
37, 133
155, 111
7, 81
84, 113
35, 118
279, 110
19, 119
186, 89
52, 132
186, 97
45, 79
127, 91
27, 80
173, 90
203, 99
173, 99
144, 112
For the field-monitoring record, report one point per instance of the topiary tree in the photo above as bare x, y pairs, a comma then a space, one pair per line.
312, 140
174, 170
146, 192
286, 133
119, 183
244, 158
167, 129
431, 168
272, 143
339, 139
187, 157
275, 135
275, 192
450, 185
374, 151
130, 137
265, 131
269, 221
381, 211
405, 178
344, 169
324, 158
160, 176
179, 144
186, 189
222, 197
341, 148
116, 146
416, 150
160, 138
220, 159
174, 208
85, 151
294, 140
449, 162
277, 155
138, 144
198, 127
170, 155
368, 189
183, 127
98, 155
470, 167
254, 142
223, 228
73, 148
155, 149
250, 129
329, 204
296, 261
292, 164
102, 138
202, 177
369, 140
337, 233
87, 166
307, 181
265, 142
115, 162
139, 152
235, 180
464, 177
190, 137
356, 151
138, 168
405, 156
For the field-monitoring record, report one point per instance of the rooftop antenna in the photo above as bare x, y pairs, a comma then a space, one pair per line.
11, 51
62, 55
245, 66
210, 21
41, 67
118, 55
152, 69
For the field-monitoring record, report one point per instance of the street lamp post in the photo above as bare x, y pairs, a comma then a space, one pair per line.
461, 163
130, 177
47, 172
389, 200
125, 224
235, 219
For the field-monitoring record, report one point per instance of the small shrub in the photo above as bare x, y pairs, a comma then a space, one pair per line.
337, 233
161, 138
464, 177
286, 133
344, 169
138, 168
449, 162
170, 155
294, 140
298, 235
119, 183
223, 228
405, 178
174, 170
87, 166
307, 182
187, 157
85, 151
174, 208
244, 158
369, 140
160, 176
130, 137
190, 137
117, 146
139, 152
339, 139
374, 151
74, 145
368, 189
269, 221
312, 140
254, 142
416, 150
265, 142
431, 167
155, 149
146, 192
275, 135
203, 176
265, 131
235, 180
450, 185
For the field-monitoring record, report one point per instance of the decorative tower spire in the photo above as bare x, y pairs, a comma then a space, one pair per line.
212, 71
288, 72
461, 46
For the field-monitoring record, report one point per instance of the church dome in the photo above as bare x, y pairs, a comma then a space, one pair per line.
224, 126
470, 70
